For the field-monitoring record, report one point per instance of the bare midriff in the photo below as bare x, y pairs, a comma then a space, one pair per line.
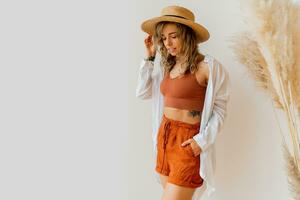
182, 115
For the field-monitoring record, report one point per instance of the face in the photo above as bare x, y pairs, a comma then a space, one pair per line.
171, 40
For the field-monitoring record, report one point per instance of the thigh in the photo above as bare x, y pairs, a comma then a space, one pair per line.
163, 180
175, 192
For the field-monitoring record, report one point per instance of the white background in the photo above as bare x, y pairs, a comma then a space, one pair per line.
63, 104
71, 126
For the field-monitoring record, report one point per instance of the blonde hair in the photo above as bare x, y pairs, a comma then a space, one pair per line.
190, 50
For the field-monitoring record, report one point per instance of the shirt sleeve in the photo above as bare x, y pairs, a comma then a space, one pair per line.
144, 84
208, 135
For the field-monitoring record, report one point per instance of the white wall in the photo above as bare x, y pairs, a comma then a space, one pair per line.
63, 99
249, 159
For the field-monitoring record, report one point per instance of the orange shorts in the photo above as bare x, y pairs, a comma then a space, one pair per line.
176, 161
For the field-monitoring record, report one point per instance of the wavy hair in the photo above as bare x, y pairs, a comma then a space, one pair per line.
187, 36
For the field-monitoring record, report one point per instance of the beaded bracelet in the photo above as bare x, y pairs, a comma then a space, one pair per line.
150, 58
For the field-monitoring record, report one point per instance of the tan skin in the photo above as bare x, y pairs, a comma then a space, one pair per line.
173, 44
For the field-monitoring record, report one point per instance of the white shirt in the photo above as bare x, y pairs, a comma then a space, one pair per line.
212, 118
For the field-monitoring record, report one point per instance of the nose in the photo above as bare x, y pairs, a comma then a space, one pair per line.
168, 42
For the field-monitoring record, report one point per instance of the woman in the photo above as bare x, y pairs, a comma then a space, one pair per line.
190, 94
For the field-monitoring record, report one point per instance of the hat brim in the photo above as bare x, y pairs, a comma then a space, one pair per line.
202, 33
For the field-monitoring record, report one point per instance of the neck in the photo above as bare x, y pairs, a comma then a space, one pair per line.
180, 59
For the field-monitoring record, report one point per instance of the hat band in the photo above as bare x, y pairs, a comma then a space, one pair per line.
176, 16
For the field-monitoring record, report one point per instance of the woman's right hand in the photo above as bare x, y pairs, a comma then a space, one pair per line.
149, 44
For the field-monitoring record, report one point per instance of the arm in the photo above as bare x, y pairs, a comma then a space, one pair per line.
144, 84
216, 120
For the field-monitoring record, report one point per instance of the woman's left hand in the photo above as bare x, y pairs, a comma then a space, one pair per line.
195, 147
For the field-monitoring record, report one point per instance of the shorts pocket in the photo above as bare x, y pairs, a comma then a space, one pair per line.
191, 134
189, 147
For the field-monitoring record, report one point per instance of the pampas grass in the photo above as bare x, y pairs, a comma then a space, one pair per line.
293, 173
247, 51
270, 50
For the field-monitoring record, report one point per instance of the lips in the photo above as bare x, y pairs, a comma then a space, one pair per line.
171, 50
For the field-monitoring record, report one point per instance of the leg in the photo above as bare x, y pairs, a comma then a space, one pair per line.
163, 180
175, 192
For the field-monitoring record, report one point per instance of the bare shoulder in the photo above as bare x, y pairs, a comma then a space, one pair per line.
202, 73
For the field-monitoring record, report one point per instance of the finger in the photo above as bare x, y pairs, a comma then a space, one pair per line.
185, 142
148, 39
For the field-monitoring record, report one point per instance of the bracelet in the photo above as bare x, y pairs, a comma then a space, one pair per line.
150, 58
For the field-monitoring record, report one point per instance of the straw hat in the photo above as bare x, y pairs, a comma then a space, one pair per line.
177, 14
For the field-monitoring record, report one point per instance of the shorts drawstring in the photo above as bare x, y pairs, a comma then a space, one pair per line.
166, 133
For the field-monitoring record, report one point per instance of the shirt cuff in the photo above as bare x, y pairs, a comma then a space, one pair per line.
147, 64
201, 141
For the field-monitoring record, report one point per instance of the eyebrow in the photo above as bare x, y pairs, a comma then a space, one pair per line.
169, 33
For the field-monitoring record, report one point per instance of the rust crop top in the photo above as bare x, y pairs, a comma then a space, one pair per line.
183, 92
